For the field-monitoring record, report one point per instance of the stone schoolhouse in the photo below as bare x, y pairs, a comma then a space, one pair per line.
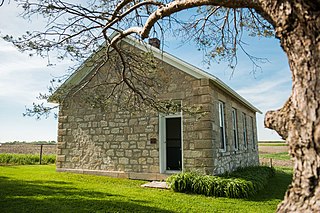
151, 145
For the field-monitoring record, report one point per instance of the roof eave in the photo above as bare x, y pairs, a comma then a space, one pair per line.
188, 68
84, 70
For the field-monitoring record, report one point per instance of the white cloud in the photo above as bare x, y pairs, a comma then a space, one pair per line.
269, 93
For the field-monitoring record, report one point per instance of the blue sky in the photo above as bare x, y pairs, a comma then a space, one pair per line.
23, 77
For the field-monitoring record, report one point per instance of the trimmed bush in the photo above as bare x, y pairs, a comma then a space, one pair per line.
26, 159
242, 183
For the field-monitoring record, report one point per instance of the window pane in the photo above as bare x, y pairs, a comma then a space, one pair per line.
235, 129
244, 130
222, 126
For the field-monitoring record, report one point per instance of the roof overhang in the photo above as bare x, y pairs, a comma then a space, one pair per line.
83, 70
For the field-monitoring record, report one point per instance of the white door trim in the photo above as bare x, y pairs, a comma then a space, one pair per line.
162, 142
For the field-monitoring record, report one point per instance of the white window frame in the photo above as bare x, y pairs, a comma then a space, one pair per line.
235, 138
244, 130
222, 127
253, 134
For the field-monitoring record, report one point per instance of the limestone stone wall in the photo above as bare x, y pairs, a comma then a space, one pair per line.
231, 158
118, 142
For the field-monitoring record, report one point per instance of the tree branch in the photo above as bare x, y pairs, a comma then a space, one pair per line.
278, 120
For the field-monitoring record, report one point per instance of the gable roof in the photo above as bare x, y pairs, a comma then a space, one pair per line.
83, 70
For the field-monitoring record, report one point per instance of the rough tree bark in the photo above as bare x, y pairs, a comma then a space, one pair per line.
297, 25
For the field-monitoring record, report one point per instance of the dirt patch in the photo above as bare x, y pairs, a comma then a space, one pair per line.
276, 162
273, 149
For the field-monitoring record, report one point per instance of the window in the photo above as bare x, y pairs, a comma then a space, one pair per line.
235, 129
244, 130
222, 126
253, 134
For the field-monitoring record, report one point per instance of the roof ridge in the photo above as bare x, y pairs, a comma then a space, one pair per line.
182, 65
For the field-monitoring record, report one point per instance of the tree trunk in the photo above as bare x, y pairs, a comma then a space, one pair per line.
298, 28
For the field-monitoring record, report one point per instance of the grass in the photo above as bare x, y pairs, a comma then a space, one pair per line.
277, 156
41, 189
25, 159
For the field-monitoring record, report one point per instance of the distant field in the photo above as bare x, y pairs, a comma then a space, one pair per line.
272, 143
277, 156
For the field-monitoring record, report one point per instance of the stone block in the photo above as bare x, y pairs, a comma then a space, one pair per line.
102, 138
115, 130
133, 162
145, 153
141, 145
133, 137
203, 90
119, 138
119, 153
208, 153
63, 119
62, 132
61, 145
126, 130
124, 145
61, 158
128, 153
205, 98
89, 117
196, 83
136, 152
154, 169
150, 160
110, 152
192, 154
203, 162
133, 122
202, 144
205, 134
104, 123
203, 125
204, 81
154, 153
138, 129
82, 125
142, 161
123, 160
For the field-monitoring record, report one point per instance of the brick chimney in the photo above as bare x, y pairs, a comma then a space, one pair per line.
154, 42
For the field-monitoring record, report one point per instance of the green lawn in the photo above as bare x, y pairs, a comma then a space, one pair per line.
277, 156
41, 189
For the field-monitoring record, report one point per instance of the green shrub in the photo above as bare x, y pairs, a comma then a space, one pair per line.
26, 159
242, 183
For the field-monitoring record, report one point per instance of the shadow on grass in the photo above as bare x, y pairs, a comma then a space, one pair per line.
276, 187
58, 196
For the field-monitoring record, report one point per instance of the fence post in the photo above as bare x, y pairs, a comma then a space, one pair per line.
41, 153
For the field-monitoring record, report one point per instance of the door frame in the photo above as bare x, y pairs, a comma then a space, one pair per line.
162, 142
